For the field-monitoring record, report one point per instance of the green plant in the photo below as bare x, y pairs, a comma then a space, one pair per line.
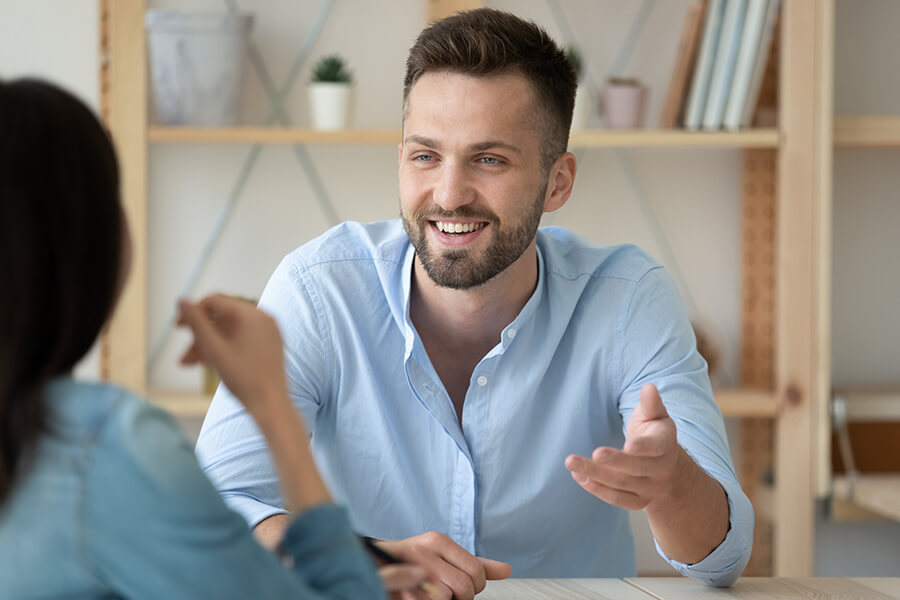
333, 69
574, 58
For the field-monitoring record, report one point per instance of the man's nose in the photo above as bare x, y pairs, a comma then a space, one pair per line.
453, 188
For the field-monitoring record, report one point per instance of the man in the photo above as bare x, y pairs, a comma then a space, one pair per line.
480, 390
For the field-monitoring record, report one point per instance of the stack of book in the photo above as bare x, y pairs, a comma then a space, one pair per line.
720, 64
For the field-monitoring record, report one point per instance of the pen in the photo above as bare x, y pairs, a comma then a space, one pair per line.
384, 555
390, 559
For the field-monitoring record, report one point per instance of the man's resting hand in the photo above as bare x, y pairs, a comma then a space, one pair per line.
460, 575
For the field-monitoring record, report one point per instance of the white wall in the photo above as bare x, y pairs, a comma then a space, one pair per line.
56, 40
688, 189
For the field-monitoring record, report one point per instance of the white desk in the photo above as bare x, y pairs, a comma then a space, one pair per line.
680, 588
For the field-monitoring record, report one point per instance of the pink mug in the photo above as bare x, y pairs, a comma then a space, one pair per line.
622, 103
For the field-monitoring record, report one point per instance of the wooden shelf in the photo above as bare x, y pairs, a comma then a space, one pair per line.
599, 138
674, 138
269, 135
879, 494
732, 402
867, 132
871, 404
739, 402
181, 403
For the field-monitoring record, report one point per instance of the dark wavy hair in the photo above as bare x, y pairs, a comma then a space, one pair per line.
485, 42
61, 233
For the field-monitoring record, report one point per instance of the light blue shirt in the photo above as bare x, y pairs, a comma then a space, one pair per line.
114, 505
562, 379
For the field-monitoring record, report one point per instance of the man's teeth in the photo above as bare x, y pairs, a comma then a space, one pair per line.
458, 227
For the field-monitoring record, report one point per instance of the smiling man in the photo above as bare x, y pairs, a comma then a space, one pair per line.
485, 396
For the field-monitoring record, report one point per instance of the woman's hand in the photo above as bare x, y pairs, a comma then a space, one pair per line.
242, 343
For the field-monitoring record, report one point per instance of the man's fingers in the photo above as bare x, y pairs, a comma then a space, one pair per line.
584, 470
495, 569
652, 406
609, 495
401, 577
442, 592
458, 582
464, 564
624, 462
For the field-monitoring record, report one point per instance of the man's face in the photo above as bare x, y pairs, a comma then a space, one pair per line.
471, 184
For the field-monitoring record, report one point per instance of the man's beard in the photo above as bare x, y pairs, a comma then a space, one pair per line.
457, 268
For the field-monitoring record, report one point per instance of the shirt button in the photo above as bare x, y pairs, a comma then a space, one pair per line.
482, 380
511, 333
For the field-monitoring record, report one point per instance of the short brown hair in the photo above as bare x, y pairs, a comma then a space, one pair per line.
491, 42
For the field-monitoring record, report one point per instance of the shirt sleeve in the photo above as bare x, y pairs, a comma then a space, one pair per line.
231, 450
156, 528
658, 346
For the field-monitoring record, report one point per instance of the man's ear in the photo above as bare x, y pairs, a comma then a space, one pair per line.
560, 182
399, 153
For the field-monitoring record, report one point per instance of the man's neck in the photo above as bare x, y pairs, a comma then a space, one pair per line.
466, 320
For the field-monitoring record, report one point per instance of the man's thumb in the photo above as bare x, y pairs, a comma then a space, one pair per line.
494, 569
652, 407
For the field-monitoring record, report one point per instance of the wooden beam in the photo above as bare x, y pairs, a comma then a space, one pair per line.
879, 494
821, 450
439, 9
757, 338
125, 101
801, 160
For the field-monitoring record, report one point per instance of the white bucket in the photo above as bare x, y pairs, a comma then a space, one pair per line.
196, 66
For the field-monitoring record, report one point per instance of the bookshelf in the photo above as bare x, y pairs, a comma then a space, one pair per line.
789, 397
867, 132
600, 138
849, 132
739, 402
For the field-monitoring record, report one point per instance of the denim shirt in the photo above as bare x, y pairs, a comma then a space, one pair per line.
115, 505
563, 378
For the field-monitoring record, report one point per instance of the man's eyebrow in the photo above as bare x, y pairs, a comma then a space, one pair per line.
487, 145
422, 141
479, 147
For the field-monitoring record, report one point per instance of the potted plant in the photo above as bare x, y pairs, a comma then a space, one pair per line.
330, 94
582, 95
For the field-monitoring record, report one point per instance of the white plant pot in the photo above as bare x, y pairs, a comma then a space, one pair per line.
329, 105
583, 107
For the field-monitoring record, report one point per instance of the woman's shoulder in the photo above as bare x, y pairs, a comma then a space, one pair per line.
94, 412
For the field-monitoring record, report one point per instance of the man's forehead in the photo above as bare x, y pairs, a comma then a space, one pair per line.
502, 100
448, 80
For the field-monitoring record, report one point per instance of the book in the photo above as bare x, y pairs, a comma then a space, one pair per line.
723, 69
712, 26
759, 64
743, 70
684, 63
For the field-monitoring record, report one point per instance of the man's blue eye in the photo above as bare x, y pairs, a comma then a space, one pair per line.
490, 160
422, 157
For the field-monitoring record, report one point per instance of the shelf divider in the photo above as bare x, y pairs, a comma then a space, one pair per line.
596, 138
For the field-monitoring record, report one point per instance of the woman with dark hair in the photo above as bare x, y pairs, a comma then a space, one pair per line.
100, 496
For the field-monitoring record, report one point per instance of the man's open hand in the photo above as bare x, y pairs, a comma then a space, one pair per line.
460, 575
646, 469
